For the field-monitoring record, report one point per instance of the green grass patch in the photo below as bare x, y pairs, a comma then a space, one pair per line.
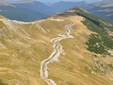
98, 43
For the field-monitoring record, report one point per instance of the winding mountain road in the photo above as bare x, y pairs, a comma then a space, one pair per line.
55, 54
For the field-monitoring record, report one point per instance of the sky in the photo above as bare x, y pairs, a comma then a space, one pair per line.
55, 0
5, 2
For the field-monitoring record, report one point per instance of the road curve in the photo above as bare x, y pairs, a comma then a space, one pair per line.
55, 54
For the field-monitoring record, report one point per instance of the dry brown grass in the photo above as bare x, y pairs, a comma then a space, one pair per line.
72, 68
27, 45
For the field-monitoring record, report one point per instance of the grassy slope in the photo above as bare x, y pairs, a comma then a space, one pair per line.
24, 46
74, 65
102, 37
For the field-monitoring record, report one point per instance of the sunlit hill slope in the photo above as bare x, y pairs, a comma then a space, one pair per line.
86, 59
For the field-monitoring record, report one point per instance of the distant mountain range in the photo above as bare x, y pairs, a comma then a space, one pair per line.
26, 11
36, 10
103, 10
62, 6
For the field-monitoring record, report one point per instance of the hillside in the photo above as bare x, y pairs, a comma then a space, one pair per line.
103, 9
103, 12
34, 10
26, 11
70, 48
63, 5
21, 14
105, 3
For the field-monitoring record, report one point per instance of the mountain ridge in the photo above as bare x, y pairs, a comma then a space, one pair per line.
37, 10
24, 45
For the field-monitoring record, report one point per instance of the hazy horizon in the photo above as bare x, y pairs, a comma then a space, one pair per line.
52, 0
